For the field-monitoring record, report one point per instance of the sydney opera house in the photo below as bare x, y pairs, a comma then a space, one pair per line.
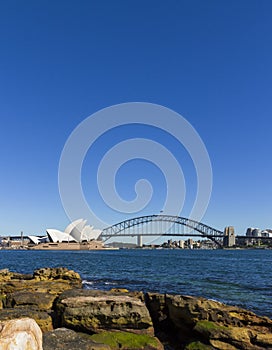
77, 232
77, 235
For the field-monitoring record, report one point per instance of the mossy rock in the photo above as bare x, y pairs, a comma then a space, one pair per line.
63, 338
197, 345
126, 340
208, 328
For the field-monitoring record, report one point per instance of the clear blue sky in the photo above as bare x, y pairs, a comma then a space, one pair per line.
61, 61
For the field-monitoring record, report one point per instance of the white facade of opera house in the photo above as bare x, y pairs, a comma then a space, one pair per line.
76, 232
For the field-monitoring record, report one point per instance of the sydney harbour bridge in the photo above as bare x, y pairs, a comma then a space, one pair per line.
167, 225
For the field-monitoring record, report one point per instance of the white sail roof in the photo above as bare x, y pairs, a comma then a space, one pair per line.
57, 236
70, 227
76, 231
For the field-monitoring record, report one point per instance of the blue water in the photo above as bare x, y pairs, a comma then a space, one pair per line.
238, 277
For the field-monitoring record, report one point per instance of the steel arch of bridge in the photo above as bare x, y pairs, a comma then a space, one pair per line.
121, 229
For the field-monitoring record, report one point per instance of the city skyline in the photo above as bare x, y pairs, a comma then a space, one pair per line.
62, 62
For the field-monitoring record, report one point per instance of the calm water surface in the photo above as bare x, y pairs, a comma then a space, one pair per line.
240, 277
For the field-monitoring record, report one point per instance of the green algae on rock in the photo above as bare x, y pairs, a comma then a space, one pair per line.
126, 340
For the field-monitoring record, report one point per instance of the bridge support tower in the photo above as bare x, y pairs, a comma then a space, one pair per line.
140, 241
229, 239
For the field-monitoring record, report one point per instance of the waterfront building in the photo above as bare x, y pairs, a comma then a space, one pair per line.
257, 232
76, 232
249, 232
267, 233
181, 244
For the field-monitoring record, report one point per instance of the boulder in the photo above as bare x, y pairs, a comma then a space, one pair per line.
63, 338
20, 334
52, 287
226, 337
191, 319
39, 300
6, 275
58, 273
48, 280
92, 311
34, 295
43, 319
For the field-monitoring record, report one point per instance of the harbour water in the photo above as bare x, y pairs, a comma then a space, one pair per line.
236, 277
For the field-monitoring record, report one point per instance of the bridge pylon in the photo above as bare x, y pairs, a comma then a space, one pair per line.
139, 241
229, 238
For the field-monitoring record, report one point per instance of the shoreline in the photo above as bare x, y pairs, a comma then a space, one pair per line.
77, 246
55, 299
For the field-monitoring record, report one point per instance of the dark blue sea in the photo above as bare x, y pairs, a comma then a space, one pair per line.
236, 277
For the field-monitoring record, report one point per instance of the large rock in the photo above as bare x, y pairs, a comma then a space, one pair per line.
225, 336
63, 338
39, 300
34, 295
20, 334
44, 274
44, 319
58, 273
51, 287
192, 319
48, 280
6, 275
92, 311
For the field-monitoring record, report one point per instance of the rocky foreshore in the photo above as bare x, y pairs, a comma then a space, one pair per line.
50, 310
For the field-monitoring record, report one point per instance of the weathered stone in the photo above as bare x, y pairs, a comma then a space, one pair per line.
264, 340
187, 319
48, 280
26, 296
214, 320
91, 311
20, 334
63, 338
238, 337
126, 340
119, 290
6, 275
219, 345
43, 319
51, 287
197, 345
40, 300
58, 273
188, 310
